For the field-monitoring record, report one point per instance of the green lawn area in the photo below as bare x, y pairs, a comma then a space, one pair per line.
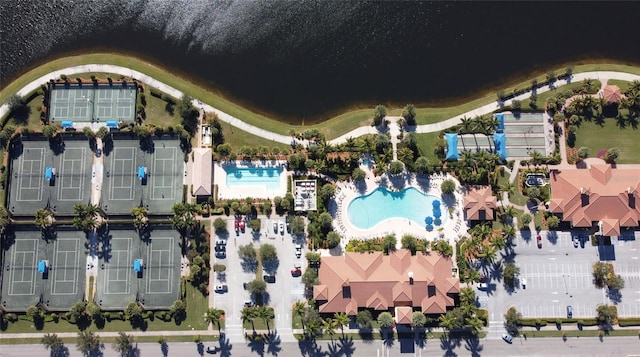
426, 145
197, 305
238, 138
516, 197
332, 127
597, 137
156, 113
623, 85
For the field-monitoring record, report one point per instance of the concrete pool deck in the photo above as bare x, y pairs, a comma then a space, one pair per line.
453, 228
243, 191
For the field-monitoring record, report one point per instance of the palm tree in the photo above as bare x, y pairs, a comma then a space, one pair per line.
140, 218
474, 324
447, 321
213, 316
509, 231
341, 319
329, 326
467, 296
52, 342
466, 125
248, 314
266, 314
498, 242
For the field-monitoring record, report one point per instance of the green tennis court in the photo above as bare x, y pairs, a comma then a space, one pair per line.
88, 102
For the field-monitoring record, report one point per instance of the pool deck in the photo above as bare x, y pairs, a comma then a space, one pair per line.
243, 191
453, 228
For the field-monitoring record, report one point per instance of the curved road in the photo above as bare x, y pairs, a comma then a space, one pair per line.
286, 139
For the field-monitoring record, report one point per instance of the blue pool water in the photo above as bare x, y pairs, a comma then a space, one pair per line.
254, 176
365, 212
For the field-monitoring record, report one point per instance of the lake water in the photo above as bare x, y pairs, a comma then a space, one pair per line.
302, 61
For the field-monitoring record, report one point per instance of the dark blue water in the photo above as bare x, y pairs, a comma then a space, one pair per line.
305, 60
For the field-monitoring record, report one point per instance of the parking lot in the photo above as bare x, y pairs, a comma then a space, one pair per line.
560, 274
279, 295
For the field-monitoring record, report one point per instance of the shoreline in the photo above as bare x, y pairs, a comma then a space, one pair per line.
518, 80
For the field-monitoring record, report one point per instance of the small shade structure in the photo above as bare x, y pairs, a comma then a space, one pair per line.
452, 146
43, 266
428, 220
67, 124
500, 124
437, 213
48, 173
112, 124
137, 265
611, 93
436, 203
142, 172
499, 143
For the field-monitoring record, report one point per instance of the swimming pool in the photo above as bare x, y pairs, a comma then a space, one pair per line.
268, 177
365, 212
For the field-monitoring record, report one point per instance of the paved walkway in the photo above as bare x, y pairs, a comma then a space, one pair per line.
603, 76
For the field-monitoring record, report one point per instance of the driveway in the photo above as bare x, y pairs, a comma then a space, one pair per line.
559, 274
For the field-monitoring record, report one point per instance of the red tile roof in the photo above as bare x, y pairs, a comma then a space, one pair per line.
479, 203
404, 315
600, 193
372, 280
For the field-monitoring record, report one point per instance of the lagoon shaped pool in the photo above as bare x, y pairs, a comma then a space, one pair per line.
365, 212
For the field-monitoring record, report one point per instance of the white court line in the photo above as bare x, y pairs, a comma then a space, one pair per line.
31, 173
63, 190
74, 263
118, 268
119, 161
153, 265
32, 267
164, 175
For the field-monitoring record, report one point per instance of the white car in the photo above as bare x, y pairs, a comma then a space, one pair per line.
523, 282
298, 250
221, 288
281, 228
221, 242
482, 286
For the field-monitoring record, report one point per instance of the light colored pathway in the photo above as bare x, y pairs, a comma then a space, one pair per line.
603, 76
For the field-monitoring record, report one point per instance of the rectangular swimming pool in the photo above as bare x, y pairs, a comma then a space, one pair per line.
269, 177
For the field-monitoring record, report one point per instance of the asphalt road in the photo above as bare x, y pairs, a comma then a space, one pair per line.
592, 346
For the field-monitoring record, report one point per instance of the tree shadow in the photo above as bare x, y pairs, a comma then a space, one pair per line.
134, 351
249, 265
273, 343
615, 296
387, 337
473, 345
57, 145
104, 238
271, 266
257, 345
164, 348
310, 348
62, 351
526, 234
552, 237
147, 145
200, 348
97, 352
225, 346
366, 334
16, 148
448, 345
346, 346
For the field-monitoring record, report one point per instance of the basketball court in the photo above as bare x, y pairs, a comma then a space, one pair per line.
89, 102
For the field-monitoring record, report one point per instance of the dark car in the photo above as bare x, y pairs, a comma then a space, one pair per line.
98, 152
569, 311
221, 248
539, 239
270, 278
296, 272
221, 255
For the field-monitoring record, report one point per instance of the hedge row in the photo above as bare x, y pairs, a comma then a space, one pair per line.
629, 321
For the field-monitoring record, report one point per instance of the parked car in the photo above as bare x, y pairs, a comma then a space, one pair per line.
576, 242
211, 350
236, 224
221, 248
221, 254
269, 278
523, 282
483, 279
221, 242
244, 285
248, 303
298, 250
482, 286
539, 239
221, 288
296, 272
569, 311
242, 225
507, 338
275, 227
281, 228
98, 152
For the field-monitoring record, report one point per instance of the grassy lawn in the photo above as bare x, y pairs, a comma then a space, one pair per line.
156, 113
578, 333
623, 85
70, 341
197, 305
238, 138
426, 145
597, 137
332, 127
516, 198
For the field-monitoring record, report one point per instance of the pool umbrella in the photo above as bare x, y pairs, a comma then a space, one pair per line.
437, 213
436, 203
429, 228
611, 93
437, 221
429, 220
